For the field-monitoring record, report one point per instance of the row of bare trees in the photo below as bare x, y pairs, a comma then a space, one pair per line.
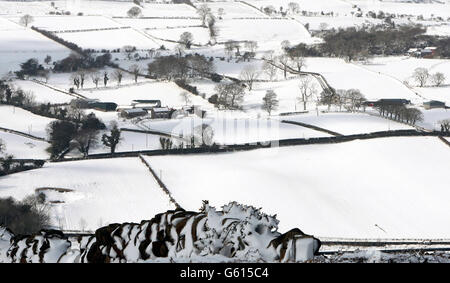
422, 76
79, 78
208, 21
400, 113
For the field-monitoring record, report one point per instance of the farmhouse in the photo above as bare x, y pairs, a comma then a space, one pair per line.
161, 112
433, 104
427, 52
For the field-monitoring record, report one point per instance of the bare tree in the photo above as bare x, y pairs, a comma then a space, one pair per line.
249, 74
445, 125
48, 59
26, 20
421, 75
294, 7
307, 90
283, 60
229, 48
285, 45
328, 98
270, 101
105, 78
269, 69
230, 96
134, 12
221, 13
135, 70
179, 50
118, 75
323, 26
96, 76
128, 49
251, 46
2, 146
185, 96
82, 76
114, 138
203, 11
297, 60
438, 79
212, 28
45, 74
354, 99
186, 38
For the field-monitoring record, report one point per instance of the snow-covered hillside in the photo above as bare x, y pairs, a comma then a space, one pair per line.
93, 193
161, 106
380, 188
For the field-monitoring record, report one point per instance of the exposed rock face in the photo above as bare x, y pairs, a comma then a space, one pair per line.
238, 232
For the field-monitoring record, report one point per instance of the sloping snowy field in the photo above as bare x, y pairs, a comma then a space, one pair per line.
19, 44
362, 189
348, 123
120, 8
233, 130
41, 93
104, 191
110, 39
24, 121
373, 85
63, 23
24, 148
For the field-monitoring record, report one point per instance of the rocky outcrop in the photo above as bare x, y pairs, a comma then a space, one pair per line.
236, 233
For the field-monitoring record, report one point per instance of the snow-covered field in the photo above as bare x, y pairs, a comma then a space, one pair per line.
372, 84
336, 6
67, 23
23, 121
271, 32
362, 189
426, 9
19, 44
110, 39
41, 93
390, 188
28, 7
228, 129
348, 123
102, 192
120, 8
234, 10
24, 148
152, 23
432, 117
402, 69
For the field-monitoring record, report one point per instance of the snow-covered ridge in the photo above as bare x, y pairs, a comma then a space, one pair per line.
237, 233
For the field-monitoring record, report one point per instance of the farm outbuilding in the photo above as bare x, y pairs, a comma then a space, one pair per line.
104, 106
132, 113
433, 104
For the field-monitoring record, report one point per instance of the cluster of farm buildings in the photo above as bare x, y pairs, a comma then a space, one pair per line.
137, 108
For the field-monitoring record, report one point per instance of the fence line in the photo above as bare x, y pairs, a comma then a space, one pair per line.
6, 130
159, 181
259, 145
